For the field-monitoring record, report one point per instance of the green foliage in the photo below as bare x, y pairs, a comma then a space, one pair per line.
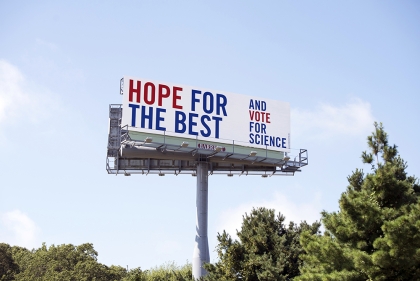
169, 272
77, 263
375, 235
64, 262
8, 267
266, 250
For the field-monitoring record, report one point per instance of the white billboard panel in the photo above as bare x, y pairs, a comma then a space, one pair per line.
196, 113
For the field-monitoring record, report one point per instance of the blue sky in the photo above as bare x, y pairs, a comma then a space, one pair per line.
341, 65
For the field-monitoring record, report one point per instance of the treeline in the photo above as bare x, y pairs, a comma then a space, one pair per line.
76, 263
265, 241
374, 236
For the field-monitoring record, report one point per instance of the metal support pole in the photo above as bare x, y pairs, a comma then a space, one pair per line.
201, 248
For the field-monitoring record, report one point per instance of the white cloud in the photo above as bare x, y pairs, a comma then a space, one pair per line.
231, 219
16, 228
19, 99
10, 79
327, 121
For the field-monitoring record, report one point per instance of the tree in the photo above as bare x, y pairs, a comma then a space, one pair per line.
376, 233
64, 262
266, 250
8, 267
67, 262
135, 274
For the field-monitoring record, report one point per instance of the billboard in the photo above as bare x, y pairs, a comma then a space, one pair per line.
205, 115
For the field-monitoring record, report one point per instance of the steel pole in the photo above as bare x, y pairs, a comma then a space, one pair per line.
201, 248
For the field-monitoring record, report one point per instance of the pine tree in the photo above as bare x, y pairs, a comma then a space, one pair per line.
266, 249
376, 233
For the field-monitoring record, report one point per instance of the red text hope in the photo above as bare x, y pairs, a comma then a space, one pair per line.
149, 92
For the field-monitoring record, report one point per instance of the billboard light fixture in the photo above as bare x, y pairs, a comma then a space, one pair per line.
230, 175
217, 149
148, 140
127, 174
251, 154
286, 158
161, 174
184, 144
264, 176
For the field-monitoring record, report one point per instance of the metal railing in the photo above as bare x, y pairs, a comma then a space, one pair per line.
124, 152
